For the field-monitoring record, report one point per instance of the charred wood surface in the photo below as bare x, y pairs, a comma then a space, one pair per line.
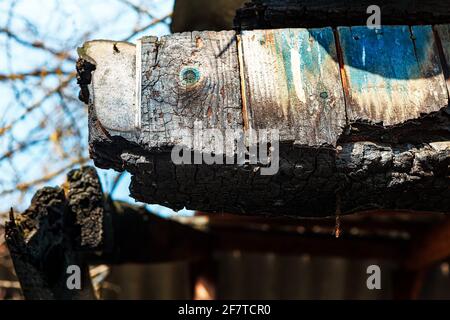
41, 247
47, 237
189, 15
272, 14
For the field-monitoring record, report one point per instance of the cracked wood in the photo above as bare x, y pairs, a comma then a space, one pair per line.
355, 152
391, 75
188, 77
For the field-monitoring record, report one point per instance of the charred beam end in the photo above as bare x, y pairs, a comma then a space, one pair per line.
55, 232
311, 182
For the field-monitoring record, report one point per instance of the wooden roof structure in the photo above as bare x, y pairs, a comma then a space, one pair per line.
361, 116
364, 125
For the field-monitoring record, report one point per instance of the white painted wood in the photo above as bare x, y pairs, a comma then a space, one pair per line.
112, 90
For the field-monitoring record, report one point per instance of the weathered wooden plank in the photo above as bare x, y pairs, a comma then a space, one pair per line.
391, 75
293, 84
443, 34
113, 84
195, 77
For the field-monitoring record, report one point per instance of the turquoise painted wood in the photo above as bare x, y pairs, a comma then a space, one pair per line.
293, 83
392, 74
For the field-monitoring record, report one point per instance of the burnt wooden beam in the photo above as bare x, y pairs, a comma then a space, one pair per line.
291, 244
362, 116
272, 14
378, 235
430, 248
78, 225
407, 284
394, 236
142, 237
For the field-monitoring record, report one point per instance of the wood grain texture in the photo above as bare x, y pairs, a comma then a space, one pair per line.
443, 34
293, 84
190, 15
195, 77
391, 75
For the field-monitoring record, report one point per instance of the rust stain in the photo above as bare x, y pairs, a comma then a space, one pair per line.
100, 127
243, 84
198, 42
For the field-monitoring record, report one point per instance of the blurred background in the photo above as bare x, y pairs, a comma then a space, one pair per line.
43, 134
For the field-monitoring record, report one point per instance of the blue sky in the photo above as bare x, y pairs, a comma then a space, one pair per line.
61, 23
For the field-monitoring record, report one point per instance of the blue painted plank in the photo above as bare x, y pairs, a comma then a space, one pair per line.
392, 74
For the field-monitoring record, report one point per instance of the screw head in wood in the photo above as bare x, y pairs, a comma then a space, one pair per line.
324, 95
190, 76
